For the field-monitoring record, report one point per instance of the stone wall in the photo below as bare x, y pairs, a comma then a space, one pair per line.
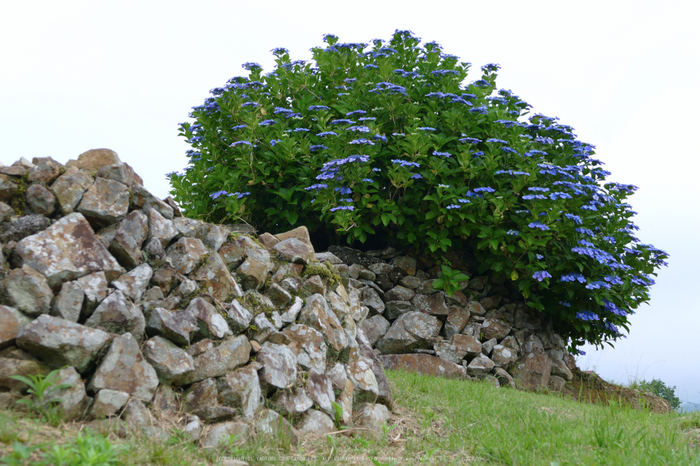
150, 316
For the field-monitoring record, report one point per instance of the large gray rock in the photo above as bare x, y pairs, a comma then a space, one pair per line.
105, 202
532, 370
211, 323
318, 314
412, 330
223, 433
186, 253
423, 364
74, 400
40, 200
116, 314
233, 352
27, 290
241, 390
94, 159
494, 328
69, 302
133, 284
124, 369
308, 345
360, 371
272, 424
320, 389
12, 322
168, 360
375, 328
431, 304
316, 423
295, 251
148, 202
69, 188
176, 326
161, 228
107, 403
480, 366
279, 366
216, 280
67, 250
371, 416
238, 317
58, 342
292, 401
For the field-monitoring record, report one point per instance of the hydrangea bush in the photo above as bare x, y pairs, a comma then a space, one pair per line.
390, 140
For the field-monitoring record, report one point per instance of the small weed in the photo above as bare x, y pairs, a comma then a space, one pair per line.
43, 401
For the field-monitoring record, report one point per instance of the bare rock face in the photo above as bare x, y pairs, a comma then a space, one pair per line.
59, 342
40, 200
271, 423
125, 369
67, 250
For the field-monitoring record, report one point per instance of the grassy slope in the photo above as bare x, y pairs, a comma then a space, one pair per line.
435, 421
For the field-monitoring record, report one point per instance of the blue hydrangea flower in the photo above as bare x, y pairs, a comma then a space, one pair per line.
405, 163
587, 315
359, 129
380, 137
318, 107
426, 128
361, 141
273, 142
316, 187
356, 112
238, 143
317, 147
267, 122
498, 141
539, 225
484, 189
417, 176
367, 180
342, 121
250, 66
343, 207
541, 275
238, 127
218, 194
327, 133
570, 277
444, 154
240, 195
529, 197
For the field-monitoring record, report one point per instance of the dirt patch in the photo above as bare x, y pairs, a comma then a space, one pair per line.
587, 386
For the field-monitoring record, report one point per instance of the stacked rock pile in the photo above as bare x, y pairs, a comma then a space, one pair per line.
482, 331
149, 315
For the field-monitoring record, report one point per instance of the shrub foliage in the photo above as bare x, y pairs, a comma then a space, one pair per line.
389, 140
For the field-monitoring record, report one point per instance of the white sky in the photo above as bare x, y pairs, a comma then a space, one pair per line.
78, 75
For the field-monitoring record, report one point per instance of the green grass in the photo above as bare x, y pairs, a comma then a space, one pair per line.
435, 421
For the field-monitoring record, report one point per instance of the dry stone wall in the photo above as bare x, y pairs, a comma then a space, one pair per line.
150, 316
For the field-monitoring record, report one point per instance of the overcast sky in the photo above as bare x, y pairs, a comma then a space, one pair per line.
78, 75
